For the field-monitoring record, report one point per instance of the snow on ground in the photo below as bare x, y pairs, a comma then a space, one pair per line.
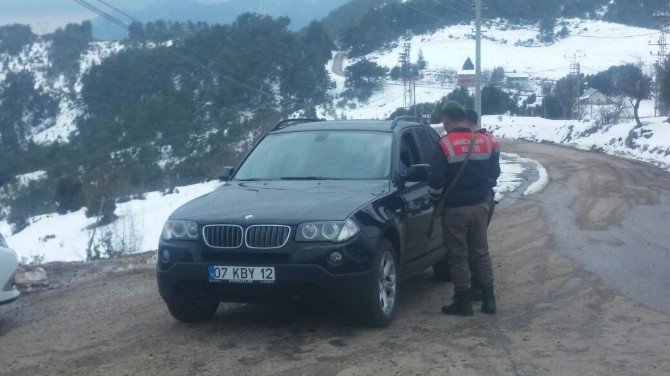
25, 179
651, 143
511, 175
66, 237
599, 41
537, 185
384, 103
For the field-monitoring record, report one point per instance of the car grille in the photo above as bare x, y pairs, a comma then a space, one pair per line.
267, 236
245, 257
223, 236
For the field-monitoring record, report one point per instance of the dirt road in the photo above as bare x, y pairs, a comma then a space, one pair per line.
559, 312
338, 63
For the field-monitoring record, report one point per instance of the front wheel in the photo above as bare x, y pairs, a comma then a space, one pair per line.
382, 304
192, 305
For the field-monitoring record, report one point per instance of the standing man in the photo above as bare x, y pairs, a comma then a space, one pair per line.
467, 171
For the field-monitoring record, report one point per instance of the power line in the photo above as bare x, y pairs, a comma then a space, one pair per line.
102, 13
465, 3
455, 7
118, 10
430, 14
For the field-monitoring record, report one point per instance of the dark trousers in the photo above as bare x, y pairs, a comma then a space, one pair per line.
466, 239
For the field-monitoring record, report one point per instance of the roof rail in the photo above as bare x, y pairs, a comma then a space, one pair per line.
414, 119
289, 122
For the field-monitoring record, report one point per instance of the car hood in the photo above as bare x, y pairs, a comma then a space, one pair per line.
281, 202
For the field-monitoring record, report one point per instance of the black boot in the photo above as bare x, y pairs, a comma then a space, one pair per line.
489, 301
460, 307
475, 291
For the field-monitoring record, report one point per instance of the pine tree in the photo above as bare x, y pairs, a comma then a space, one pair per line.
421, 63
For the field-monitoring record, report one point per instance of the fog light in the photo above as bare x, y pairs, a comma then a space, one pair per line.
336, 257
165, 256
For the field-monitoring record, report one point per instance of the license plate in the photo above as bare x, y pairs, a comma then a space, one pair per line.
241, 274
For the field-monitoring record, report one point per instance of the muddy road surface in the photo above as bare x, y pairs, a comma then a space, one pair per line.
581, 287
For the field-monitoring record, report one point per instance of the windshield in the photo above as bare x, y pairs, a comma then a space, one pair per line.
341, 155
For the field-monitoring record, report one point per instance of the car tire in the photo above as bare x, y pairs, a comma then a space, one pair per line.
442, 270
195, 306
384, 281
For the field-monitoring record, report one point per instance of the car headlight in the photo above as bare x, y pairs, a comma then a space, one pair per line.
180, 230
327, 231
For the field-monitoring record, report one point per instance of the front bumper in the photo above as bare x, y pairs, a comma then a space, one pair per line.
291, 280
300, 268
9, 293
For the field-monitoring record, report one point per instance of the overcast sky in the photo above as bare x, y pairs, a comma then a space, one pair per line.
47, 15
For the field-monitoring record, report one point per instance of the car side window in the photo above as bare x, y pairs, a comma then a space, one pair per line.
408, 152
426, 142
2, 242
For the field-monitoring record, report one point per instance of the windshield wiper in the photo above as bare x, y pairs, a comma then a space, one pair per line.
305, 178
251, 179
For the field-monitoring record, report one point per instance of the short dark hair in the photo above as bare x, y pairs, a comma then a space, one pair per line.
453, 111
471, 116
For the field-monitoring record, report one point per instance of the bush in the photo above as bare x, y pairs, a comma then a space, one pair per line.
102, 208
28, 201
69, 195
67, 46
363, 79
14, 37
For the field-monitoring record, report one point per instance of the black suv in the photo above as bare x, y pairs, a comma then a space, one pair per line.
335, 209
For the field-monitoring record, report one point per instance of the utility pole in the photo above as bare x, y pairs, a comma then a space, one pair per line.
478, 58
576, 75
663, 18
408, 79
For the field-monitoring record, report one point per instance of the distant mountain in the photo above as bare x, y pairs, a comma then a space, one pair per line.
301, 13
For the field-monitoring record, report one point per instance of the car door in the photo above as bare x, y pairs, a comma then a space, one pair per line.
426, 140
416, 203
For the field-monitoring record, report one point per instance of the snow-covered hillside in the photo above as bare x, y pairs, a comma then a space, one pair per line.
515, 48
651, 143
35, 60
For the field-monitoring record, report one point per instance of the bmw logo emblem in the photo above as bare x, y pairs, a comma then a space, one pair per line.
249, 217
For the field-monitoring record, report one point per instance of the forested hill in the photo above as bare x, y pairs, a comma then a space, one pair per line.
169, 105
301, 13
363, 26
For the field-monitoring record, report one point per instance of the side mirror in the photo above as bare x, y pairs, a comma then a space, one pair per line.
226, 173
416, 173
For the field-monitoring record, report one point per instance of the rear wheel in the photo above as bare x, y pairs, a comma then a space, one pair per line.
383, 301
192, 305
442, 270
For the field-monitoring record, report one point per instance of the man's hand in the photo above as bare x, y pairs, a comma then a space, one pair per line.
435, 194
